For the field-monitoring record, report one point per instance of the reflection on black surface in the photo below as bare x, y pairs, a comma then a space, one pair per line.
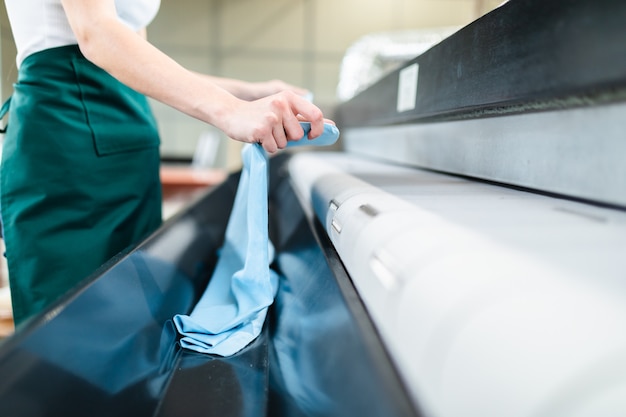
206, 385
111, 350
108, 352
304, 333
126, 333
320, 364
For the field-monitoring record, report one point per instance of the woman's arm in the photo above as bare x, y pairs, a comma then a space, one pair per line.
127, 56
253, 90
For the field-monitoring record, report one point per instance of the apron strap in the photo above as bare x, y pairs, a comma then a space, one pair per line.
3, 111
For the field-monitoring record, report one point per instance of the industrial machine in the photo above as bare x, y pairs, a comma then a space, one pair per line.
464, 255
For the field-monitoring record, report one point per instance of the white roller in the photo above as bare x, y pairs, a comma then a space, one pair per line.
492, 302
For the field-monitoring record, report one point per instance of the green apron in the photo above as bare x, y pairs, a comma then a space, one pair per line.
80, 175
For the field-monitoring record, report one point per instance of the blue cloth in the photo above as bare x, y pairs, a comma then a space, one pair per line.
231, 312
328, 137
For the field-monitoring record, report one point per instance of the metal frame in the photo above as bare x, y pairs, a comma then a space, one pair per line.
531, 95
530, 55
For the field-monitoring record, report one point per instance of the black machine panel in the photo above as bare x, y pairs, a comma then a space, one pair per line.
110, 347
528, 55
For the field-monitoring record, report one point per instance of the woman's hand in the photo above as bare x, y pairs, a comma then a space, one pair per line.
273, 120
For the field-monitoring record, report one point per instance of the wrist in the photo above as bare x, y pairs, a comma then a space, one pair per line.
219, 109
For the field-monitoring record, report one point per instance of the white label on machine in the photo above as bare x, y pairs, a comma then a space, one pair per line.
407, 88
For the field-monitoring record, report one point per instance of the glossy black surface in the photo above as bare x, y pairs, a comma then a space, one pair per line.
528, 55
325, 357
109, 349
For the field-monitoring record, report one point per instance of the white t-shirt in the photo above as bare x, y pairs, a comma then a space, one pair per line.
42, 24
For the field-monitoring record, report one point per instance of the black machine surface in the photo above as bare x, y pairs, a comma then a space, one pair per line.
110, 348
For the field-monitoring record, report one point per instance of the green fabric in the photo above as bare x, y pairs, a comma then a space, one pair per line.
80, 175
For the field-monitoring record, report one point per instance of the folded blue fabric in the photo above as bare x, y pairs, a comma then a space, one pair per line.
231, 312
328, 136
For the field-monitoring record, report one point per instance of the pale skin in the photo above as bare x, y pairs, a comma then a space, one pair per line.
266, 113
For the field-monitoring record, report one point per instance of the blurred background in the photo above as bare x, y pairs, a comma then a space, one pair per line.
302, 42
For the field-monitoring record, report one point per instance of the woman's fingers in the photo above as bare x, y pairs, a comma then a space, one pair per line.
301, 108
274, 121
280, 136
292, 127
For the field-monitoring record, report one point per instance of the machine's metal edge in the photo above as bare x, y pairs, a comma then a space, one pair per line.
382, 359
576, 152
524, 56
